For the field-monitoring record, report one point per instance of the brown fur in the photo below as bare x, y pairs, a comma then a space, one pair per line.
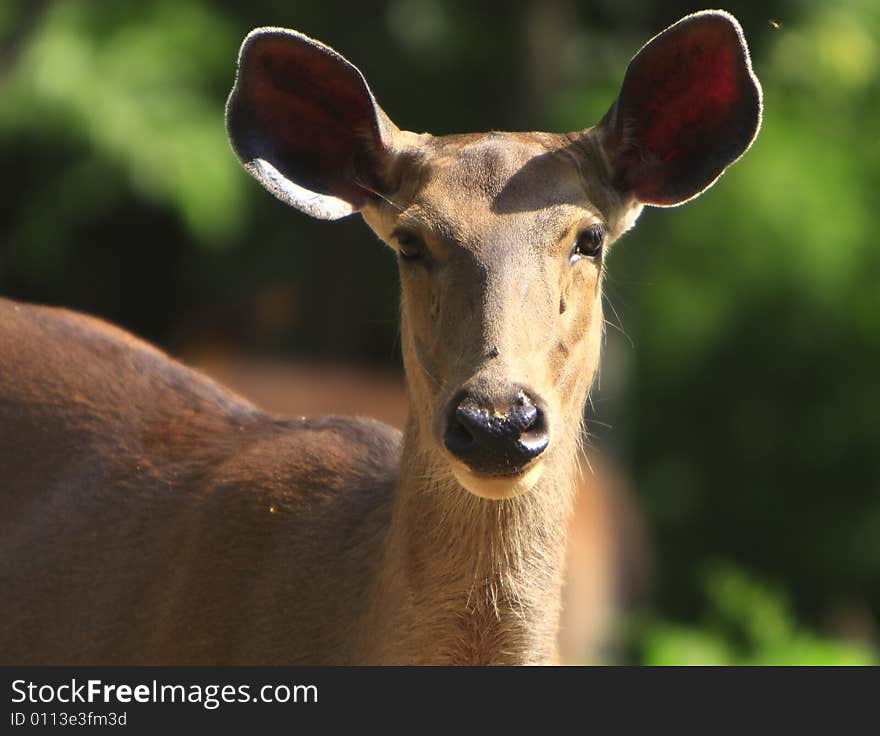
151, 516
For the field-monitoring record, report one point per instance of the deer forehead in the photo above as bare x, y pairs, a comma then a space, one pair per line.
497, 190
486, 165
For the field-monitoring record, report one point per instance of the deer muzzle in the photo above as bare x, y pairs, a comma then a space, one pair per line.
495, 439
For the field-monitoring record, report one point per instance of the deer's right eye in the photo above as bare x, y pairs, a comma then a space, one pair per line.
409, 245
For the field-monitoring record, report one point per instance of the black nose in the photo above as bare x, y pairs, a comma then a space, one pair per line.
492, 440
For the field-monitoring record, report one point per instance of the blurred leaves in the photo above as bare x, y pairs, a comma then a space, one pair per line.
746, 623
131, 82
747, 413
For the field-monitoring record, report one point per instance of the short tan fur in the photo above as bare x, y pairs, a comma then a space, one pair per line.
150, 516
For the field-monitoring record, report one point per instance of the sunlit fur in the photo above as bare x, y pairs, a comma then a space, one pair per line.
496, 300
188, 527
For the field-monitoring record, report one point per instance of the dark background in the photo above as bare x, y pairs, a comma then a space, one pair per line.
740, 396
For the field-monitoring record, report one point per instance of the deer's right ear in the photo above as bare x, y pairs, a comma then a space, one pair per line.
305, 124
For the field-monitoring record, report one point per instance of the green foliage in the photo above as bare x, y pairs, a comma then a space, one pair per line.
131, 84
746, 409
746, 623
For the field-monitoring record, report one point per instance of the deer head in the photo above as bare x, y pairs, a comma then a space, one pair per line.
501, 238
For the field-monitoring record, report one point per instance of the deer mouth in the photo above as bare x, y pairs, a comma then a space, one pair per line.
497, 486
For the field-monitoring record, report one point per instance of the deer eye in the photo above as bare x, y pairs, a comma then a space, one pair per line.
588, 243
410, 246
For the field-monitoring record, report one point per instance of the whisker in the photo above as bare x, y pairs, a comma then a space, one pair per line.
381, 196
619, 325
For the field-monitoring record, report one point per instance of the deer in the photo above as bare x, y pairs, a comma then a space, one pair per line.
151, 516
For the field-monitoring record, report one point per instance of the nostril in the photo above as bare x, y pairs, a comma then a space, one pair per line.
458, 439
535, 435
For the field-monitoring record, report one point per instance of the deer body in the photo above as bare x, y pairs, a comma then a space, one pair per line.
152, 516
157, 518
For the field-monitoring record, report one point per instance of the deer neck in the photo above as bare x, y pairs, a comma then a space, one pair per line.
465, 579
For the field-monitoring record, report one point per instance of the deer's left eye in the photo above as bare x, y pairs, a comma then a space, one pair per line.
588, 243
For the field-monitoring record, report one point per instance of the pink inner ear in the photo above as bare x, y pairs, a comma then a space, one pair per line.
693, 96
312, 112
688, 108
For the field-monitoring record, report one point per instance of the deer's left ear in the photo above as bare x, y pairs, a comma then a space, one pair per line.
690, 105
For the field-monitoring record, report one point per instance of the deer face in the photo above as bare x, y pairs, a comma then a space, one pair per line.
501, 237
501, 241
